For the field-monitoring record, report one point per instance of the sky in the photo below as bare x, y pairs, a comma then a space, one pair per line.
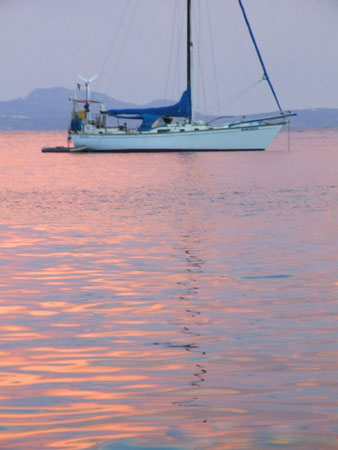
138, 49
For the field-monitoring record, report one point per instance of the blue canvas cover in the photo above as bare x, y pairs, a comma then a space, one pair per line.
76, 125
150, 115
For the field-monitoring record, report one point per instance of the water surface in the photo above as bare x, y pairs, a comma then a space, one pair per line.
175, 301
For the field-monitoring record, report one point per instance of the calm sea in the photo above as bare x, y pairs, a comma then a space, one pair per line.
169, 301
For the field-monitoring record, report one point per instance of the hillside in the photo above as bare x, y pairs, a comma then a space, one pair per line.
49, 109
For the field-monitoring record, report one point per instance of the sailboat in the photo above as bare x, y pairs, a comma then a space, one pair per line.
173, 127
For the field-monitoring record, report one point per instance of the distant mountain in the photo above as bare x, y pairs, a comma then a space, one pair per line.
316, 118
49, 109
45, 109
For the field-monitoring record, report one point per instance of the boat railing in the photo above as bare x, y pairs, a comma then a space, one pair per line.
263, 120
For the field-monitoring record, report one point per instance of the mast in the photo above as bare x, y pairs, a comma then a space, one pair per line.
189, 58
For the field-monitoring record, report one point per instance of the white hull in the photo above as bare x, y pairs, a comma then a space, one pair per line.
215, 139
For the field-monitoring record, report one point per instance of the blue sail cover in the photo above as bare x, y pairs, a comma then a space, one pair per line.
150, 115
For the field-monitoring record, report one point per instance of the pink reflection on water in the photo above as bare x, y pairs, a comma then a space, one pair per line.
183, 300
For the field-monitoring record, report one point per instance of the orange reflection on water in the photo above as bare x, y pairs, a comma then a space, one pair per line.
125, 333
52, 352
118, 430
18, 379
22, 336
13, 328
85, 395
42, 313
9, 310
